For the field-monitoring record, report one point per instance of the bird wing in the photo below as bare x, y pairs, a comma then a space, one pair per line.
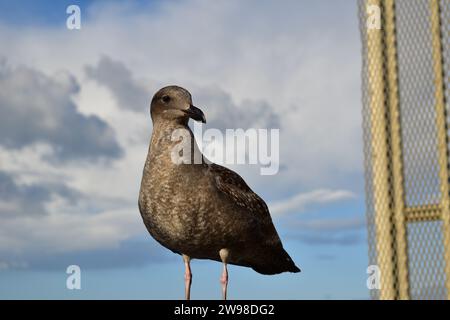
272, 258
232, 185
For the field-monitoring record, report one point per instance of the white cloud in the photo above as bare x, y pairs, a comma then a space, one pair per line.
36, 108
300, 201
6, 265
63, 232
330, 225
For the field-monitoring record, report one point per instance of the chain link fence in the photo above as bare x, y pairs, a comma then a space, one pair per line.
406, 90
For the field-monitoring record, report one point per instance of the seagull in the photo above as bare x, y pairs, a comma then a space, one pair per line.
198, 209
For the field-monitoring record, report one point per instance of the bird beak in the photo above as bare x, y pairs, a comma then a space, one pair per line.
195, 113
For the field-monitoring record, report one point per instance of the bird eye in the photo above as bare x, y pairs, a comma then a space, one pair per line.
166, 99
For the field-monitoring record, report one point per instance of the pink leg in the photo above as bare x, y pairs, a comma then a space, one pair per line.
187, 277
224, 281
223, 253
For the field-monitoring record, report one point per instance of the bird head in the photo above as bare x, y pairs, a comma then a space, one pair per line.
174, 103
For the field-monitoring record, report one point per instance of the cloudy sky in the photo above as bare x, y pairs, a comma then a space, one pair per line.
75, 127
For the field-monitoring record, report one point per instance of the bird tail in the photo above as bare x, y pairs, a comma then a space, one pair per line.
276, 262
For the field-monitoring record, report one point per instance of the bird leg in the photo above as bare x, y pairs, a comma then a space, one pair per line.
224, 278
224, 281
187, 277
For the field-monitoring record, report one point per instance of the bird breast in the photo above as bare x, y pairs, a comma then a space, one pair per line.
175, 210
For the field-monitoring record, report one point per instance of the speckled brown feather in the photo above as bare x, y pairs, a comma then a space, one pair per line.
198, 209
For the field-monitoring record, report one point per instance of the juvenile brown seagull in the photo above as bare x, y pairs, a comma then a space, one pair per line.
198, 209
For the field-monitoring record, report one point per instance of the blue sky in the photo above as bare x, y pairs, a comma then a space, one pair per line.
48, 13
74, 136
